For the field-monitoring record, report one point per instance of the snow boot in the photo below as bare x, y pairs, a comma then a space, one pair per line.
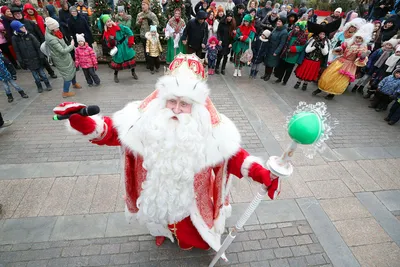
10, 98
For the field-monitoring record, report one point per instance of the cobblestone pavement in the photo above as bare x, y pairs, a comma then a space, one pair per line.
62, 196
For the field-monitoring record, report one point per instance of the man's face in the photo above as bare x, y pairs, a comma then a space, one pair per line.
240, 11
201, 21
179, 106
388, 24
145, 7
74, 13
18, 15
30, 12
17, 2
65, 6
80, 3
274, 15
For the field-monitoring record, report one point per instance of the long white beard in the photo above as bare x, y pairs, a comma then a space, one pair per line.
173, 154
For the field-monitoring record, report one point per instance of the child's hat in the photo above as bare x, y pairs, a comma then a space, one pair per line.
80, 37
220, 9
248, 18
153, 28
266, 33
396, 70
213, 39
16, 25
121, 9
393, 42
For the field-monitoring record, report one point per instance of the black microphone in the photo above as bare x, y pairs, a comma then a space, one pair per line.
86, 111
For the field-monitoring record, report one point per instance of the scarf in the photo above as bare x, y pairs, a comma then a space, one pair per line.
391, 62
385, 55
246, 30
111, 32
210, 22
301, 39
58, 34
176, 25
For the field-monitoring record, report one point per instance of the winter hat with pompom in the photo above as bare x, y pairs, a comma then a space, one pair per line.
51, 23
80, 37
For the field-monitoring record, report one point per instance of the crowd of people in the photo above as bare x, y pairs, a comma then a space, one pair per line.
283, 38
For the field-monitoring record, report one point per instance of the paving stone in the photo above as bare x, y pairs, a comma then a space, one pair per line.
259, 264
129, 247
99, 260
71, 252
120, 259
297, 262
237, 246
142, 256
302, 239
279, 263
5, 248
383, 180
91, 250
344, 208
110, 249
59, 244
21, 247
362, 231
31, 255
383, 254
42, 245
40, 263
300, 250
304, 229
274, 233
278, 211
256, 235
13, 194
315, 248
78, 261
283, 252
269, 226
360, 176
391, 199
315, 259
269, 243
82, 195
251, 245
106, 194
286, 241
329, 189
61, 262
289, 231
58, 197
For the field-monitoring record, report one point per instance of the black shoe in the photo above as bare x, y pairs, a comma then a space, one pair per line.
329, 97
304, 87
157, 70
284, 83
90, 85
39, 87
391, 122
116, 80
134, 75
267, 77
23, 95
371, 106
277, 81
14, 77
152, 72
223, 72
217, 71
96, 84
354, 88
386, 119
360, 90
297, 85
48, 87
53, 76
10, 98
316, 92
231, 59
378, 109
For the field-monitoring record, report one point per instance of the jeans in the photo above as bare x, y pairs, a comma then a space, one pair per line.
39, 73
219, 58
211, 63
91, 76
394, 114
255, 66
67, 84
6, 85
6, 51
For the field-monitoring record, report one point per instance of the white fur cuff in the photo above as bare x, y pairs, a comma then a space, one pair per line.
247, 164
97, 133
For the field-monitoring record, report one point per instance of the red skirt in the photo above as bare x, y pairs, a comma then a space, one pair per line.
308, 70
187, 235
129, 64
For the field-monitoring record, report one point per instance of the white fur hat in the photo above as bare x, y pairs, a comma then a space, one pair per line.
80, 37
393, 42
365, 32
339, 9
51, 23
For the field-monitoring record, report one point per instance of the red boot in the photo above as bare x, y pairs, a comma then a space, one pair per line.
160, 240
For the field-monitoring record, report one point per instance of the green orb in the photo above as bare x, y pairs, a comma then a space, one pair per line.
305, 128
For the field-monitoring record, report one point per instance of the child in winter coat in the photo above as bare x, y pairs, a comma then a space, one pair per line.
394, 113
259, 50
85, 57
10, 67
212, 52
153, 48
388, 89
27, 49
6, 78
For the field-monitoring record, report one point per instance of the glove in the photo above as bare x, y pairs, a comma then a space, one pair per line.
77, 68
84, 125
293, 49
259, 174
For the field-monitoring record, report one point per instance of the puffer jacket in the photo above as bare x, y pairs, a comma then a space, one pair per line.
27, 49
153, 47
390, 86
85, 57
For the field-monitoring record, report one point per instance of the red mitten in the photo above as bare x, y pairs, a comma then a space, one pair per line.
131, 41
68, 108
260, 174
293, 49
85, 125
275, 188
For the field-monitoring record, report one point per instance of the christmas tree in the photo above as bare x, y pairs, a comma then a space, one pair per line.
174, 4
162, 20
100, 7
127, 7
134, 10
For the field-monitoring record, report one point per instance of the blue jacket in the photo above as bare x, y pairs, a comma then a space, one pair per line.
390, 85
4, 74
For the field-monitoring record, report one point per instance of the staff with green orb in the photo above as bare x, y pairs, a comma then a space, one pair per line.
309, 125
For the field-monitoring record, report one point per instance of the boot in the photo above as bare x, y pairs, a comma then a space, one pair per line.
304, 87
10, 98
39, 87
160, 240
217, 71
360, 90
6, 123
316, 92
251, 74
386, 119
116, 80
48, 86
329, 97
235, 73
223, 71
255, 74
209, 71
23, 95
134, 74
354, 88
391, 122
68, 94
53, 75
76, 86
277, 81
239, 74
297, 85
267, 77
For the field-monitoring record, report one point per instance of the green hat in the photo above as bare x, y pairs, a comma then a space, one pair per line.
104, 18
248, 18
302, 25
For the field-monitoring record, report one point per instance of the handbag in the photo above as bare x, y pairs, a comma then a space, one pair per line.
247, 55
113, 51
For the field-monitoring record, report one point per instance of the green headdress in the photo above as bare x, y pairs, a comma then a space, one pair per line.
102, 21
248, 18
302, 25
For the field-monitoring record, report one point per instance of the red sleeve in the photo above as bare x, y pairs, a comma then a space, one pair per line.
40, 23
131, 41
109, 136
235, 163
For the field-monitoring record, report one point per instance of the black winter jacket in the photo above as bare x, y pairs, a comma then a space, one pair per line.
80, 25
260, 49
225, 36
33, 28
27, 49
195, 34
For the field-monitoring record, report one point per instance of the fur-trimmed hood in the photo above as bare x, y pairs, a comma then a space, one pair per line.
148, 36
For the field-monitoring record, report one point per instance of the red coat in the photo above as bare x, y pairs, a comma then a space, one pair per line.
85, 57
38, 19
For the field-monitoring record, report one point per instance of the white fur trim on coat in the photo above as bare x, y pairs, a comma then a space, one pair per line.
96, 133
247, 164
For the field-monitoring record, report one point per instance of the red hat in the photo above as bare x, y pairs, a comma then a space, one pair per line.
213, 38
3, 9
